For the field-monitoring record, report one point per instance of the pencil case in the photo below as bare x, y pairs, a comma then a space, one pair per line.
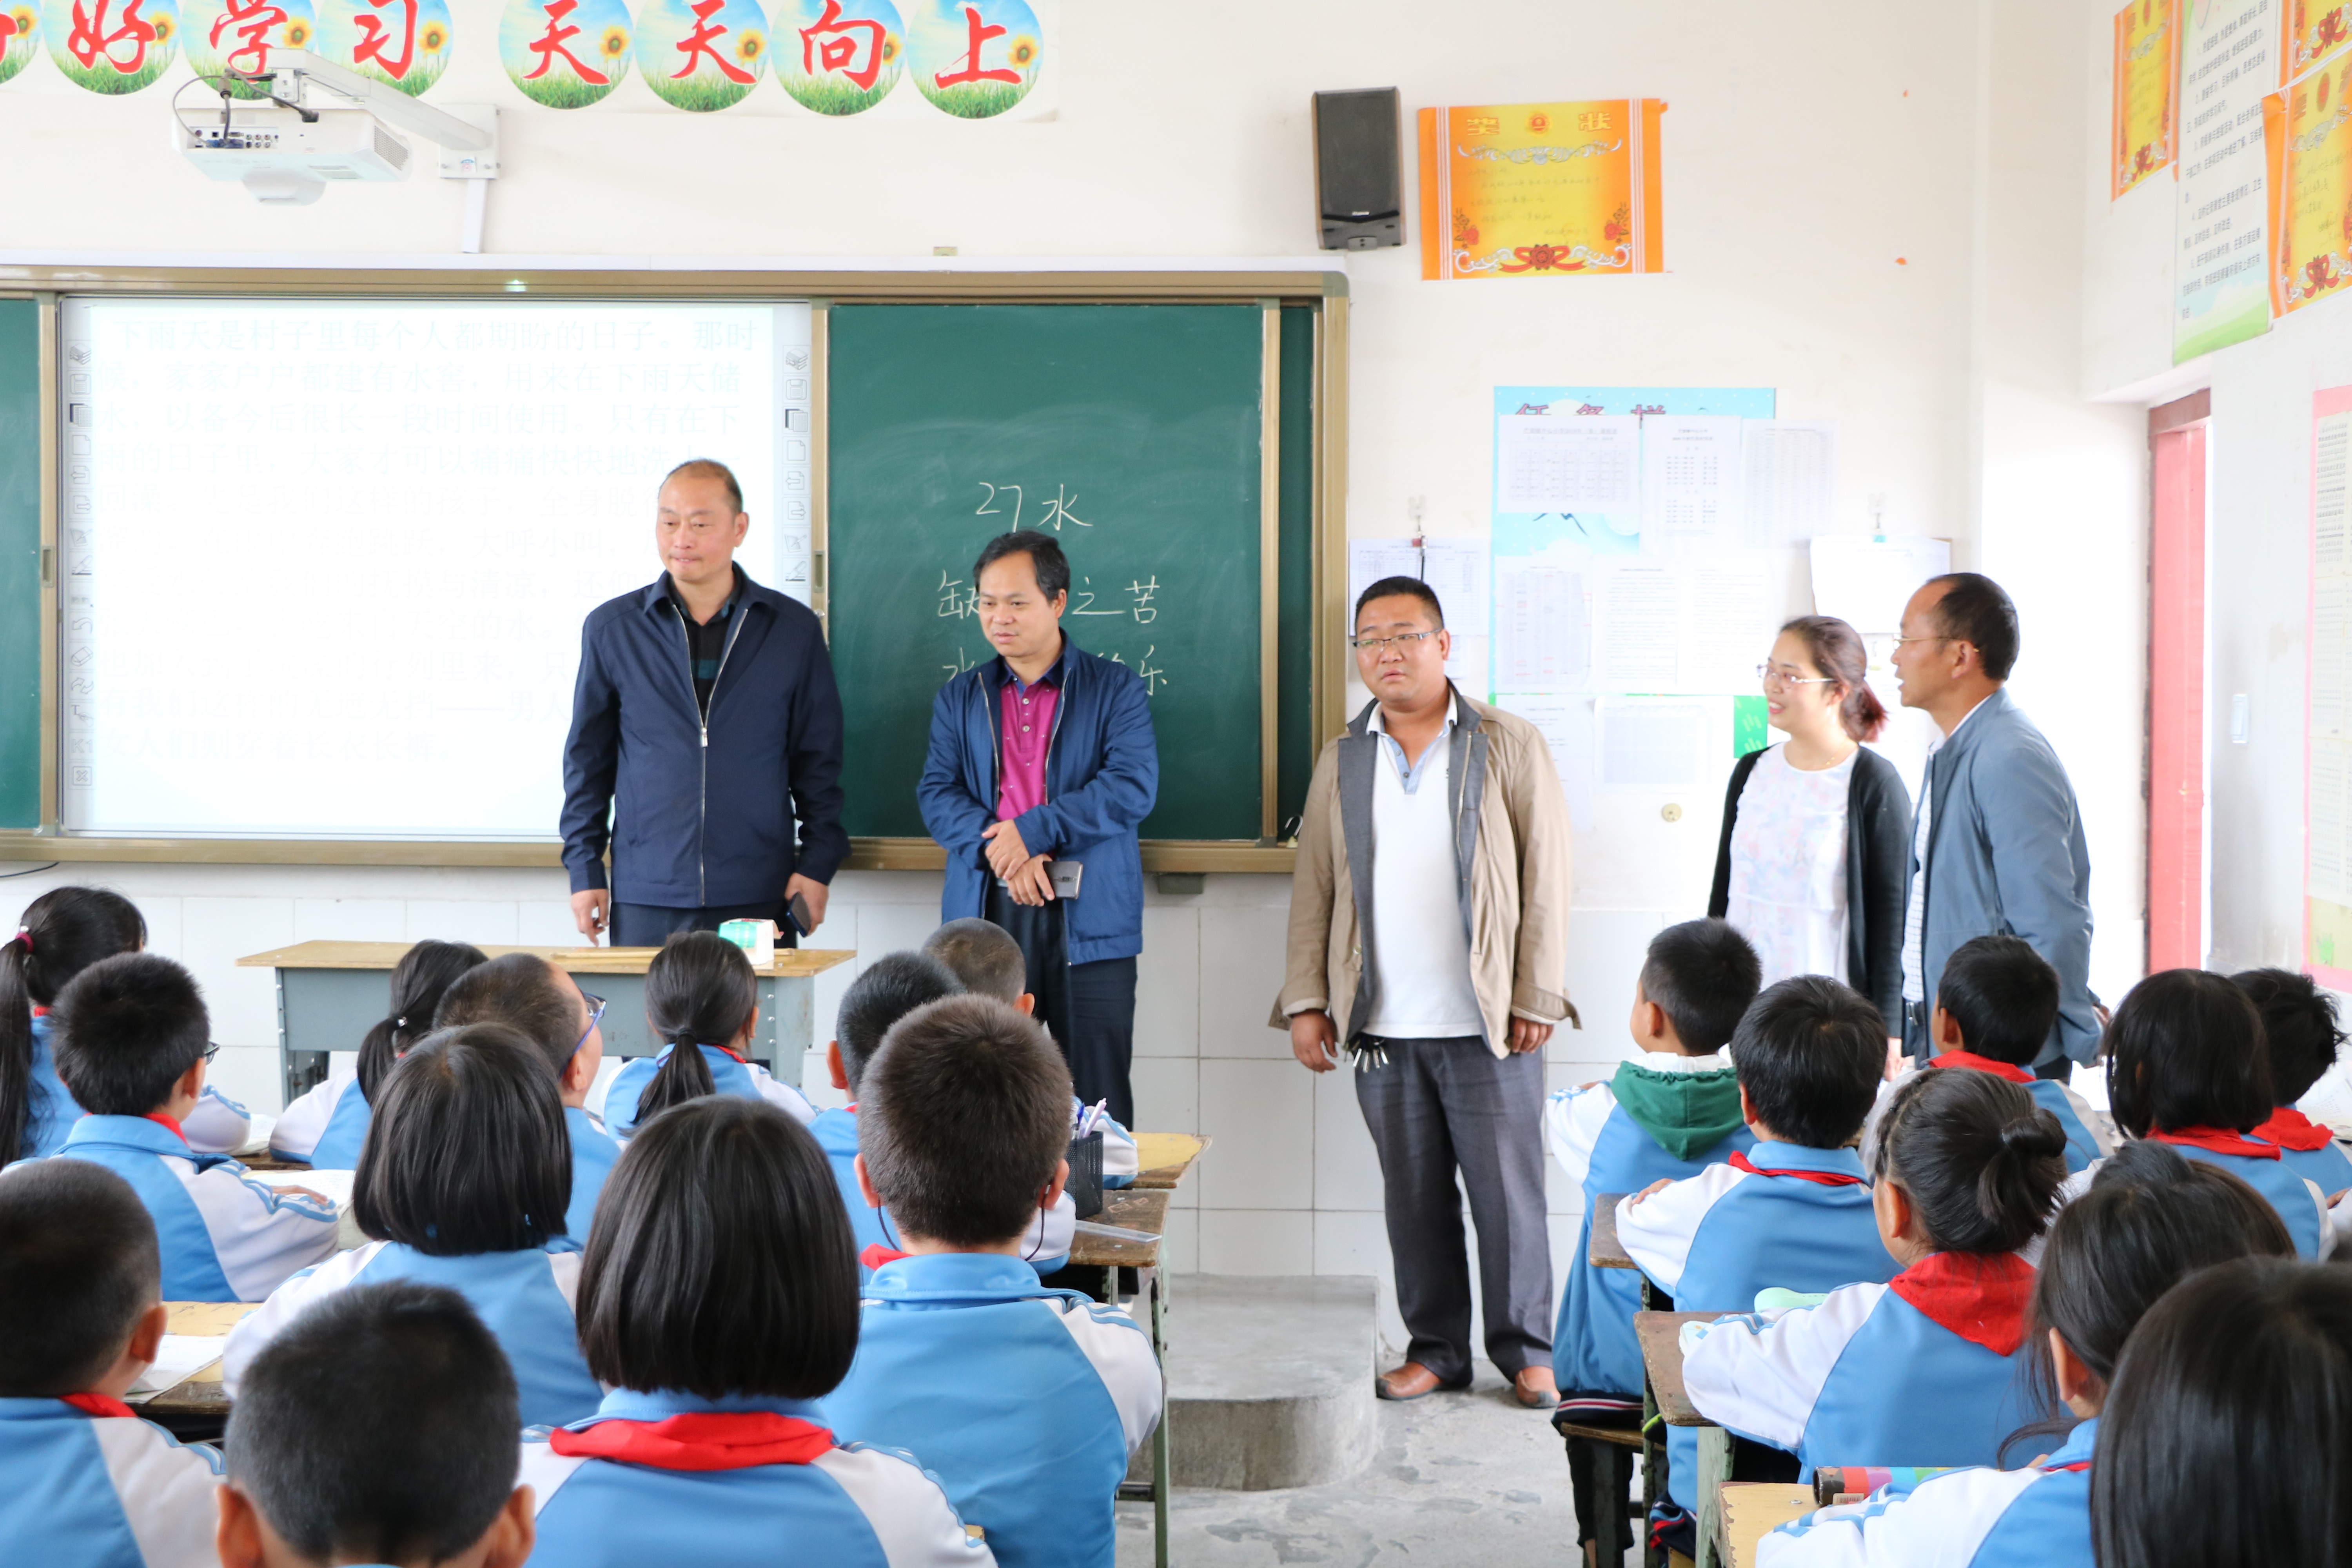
1086, 1186
1851, 1483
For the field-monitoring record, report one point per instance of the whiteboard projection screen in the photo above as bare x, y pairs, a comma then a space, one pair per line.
325, 562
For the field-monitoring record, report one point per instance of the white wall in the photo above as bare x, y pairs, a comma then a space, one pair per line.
1862, 210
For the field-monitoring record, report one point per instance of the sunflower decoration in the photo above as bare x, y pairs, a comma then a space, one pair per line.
751, 43
889, 50
163, 28
26, 19
1023, 54
298, 33
614, 43
432, 37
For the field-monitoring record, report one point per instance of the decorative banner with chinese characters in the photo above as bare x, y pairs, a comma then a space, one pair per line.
237, 35
111, 46
2220, 221
849, 53
2307, 130
2142, 143
20, 35
975, 58
1534, 189
565, 54
702, 55
401, 43
2316, 31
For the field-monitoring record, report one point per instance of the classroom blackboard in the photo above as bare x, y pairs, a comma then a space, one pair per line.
1132, 433
20, 564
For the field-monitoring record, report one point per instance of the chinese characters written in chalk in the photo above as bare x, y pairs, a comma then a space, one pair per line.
1057, 509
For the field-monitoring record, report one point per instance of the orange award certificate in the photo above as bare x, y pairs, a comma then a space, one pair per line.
2145, 42
1524, 190
2307, 133
2316, 31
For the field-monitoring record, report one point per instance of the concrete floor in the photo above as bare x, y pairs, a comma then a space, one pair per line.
1460, 1478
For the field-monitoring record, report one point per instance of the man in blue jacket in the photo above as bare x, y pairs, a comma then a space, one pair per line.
1046, 755
705, 730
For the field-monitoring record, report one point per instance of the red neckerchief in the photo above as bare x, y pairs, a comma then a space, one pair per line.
1975, 1063
876, 1255
40, 1012
1981, 1297
2216, 1141
162, 1120
1739, 1161
97, 1405
2291, 1128
2077, 1464
699, 1440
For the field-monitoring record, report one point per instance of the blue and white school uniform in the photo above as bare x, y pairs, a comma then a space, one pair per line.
594, 1155
1026, 1402
2039, 1517
225, 1237
2088, 1139
1045, 1248
1917, 1371
524, 1299
2298, 1200
218, 1125
325, 1125
2307, 1149
87, 1484
1779, 1214
729, 1074
742, 1482
1604, 1148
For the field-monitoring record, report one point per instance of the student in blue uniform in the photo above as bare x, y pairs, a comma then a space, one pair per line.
2299, 1028
720, 1300
701, 997
1026, 1401
84, 1483
1920, 1370
131, 1047
891, 987
325, 1125
64, 931
1792, 1211
2186, 1066
378, 1429
1670, 1109
2150, 1220
463, 1179
525, 992
1996, 1003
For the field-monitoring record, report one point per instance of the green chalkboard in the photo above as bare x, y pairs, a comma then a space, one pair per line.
1132, 432
20, 564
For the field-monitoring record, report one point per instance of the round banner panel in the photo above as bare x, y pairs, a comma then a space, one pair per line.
839, 57
20, 35
111, 45
565, 54
238, 34
402, 43
975, 58
702, 55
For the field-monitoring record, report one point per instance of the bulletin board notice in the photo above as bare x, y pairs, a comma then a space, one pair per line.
2327, 699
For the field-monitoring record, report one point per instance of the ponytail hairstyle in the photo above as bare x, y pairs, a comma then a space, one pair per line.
2186, 1048
60, 933
1981, 1161
700, 990
422, 973
2150, 1220
1837, 652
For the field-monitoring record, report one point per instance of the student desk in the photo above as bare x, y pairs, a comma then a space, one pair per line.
1746, 1512
1143, 1207
1162, 1159
330, 994
1661, 1362
198, 1407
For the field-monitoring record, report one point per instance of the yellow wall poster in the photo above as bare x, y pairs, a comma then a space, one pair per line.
2315, 30
1529, 190
2307, 134
2145, 43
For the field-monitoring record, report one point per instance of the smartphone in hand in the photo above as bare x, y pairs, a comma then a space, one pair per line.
797, 912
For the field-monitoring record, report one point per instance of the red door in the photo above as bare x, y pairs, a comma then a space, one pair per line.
2175, 686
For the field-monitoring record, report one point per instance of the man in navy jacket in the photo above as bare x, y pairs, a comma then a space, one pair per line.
1047, 754
705, 724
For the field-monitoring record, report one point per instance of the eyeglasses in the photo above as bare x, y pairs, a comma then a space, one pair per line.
1771, 676
212, 1049
595, 1013
1382, 645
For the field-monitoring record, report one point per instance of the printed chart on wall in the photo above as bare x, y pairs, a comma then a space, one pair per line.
2327, 779
2229, 56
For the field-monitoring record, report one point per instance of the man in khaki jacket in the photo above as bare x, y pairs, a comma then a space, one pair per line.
1428, 937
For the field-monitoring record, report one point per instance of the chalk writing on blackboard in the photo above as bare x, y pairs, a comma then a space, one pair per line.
988, 507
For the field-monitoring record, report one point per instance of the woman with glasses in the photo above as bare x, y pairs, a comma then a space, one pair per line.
1817, 830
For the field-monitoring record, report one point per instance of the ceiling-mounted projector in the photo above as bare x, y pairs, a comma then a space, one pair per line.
320, 122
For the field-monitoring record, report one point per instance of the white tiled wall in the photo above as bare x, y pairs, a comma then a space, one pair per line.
1291, 1185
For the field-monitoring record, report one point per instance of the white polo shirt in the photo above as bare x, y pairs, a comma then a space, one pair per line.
1422, 986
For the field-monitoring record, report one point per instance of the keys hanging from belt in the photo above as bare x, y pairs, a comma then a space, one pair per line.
1372, 1052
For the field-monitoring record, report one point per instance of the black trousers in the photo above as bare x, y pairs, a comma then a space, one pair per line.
1089, 1009
650, 925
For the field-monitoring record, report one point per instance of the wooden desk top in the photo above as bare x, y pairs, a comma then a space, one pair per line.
203, 1393
791, 962
1605, 1250
1746, 1512
1134, 1209
1162, 1159
1663, 1357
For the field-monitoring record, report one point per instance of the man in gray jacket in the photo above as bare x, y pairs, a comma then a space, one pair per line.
1998, 848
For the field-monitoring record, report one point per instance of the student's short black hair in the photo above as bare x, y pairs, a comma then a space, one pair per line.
962, 1117
891, 987
1980, 1160
1810, 1053
2299, 1023
78, 1264
1703, 974
984, 956
1046, 559
1975, 609
720, 1261
2223, 1440
468, 1151
2185, 1049
524, 992
1395, 587
379, 1426
2003, 995
126, 1029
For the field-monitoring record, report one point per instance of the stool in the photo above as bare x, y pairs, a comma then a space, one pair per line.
1610, 1517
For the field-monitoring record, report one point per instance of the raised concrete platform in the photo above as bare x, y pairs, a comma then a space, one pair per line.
1270, 1380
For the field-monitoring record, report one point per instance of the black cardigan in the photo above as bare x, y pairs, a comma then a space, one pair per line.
1877, 862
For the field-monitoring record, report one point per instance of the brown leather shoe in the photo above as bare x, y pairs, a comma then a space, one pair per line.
1534, 1389
1412, 1381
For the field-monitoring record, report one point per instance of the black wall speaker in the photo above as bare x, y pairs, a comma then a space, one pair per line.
1359, 159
